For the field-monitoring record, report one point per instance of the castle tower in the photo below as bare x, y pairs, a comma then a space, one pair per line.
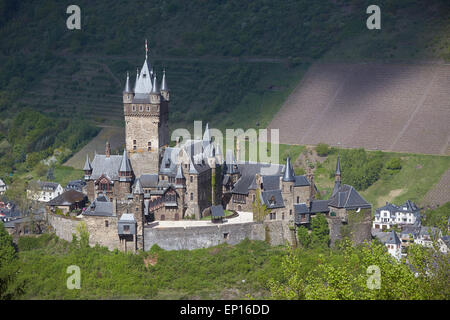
125, 175
337, 175
87, 169
287, 186
146, 121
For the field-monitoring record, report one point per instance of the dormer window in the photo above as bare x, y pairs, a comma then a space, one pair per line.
272, 200
168, 163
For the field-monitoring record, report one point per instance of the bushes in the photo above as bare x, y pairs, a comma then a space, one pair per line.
322, 149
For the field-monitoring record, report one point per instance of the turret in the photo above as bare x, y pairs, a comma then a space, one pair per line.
127, 94
155, 94
125, 171
137, 79
87, 169
179, 178
288, 172
164, 87
337, 177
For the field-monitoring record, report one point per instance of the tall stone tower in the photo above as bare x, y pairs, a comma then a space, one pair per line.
146, 113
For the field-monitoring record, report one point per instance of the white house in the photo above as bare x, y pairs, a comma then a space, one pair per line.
45, 191
389, 215
393, 244
3, 187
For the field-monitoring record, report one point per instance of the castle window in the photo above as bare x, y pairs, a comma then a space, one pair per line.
126, 228
290, 212
191, 178
140, 108
298, 199
192, 196
290, 188
148, 108
134, 141
134, 108
282, 216
134, 147
106, 223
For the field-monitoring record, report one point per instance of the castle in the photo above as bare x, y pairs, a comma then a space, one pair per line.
152, 182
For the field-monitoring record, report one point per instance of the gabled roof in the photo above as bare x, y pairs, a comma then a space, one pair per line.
127, 217
108, 166
67, 198
45, 185
272, 199
149, 180
319, 206
388, 207
347, 197
242, 185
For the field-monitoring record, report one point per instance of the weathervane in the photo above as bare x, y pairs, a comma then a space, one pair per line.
146, 49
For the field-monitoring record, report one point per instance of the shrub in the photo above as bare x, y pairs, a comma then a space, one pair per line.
322, 149
394, 164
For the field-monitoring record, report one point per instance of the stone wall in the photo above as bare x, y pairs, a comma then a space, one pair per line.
63, 227
276, 233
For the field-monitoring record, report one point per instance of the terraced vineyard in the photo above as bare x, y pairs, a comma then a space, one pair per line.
91, 86
394, 107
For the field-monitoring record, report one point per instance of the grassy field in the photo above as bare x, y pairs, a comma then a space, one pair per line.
419, 173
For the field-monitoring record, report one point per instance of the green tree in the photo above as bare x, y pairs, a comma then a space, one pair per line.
303, 237
320, 235
260, 210
322, 149
9, 267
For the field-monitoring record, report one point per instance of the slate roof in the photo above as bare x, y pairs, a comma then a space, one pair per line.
243, 184
271, 182
87, 164
301, 181
137, 189
109, 166
266, 197
67, 198
319, 206
217, 211
144, 82
99, 208
149, 180
347, 197
392, 238
127, 84
164, 86
301, 208
127, 217
289, 171
44, 185
125, 165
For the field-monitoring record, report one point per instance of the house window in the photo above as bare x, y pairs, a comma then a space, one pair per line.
140, 108
148, 108
226, 235
106, 223
192, 196
134, 147
191, 179
126, 228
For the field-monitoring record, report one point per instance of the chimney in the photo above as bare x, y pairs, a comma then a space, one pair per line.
107, 149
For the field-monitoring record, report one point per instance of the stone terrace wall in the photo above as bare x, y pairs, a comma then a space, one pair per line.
202, 237
64, 227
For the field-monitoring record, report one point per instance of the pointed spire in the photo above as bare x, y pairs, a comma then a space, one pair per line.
180, 174
288, 171
107, 149
137, 79
87, 164
155, 88
138, 188
127, 84
207, 135
125, 164
164, 86
144, 82
338, 166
